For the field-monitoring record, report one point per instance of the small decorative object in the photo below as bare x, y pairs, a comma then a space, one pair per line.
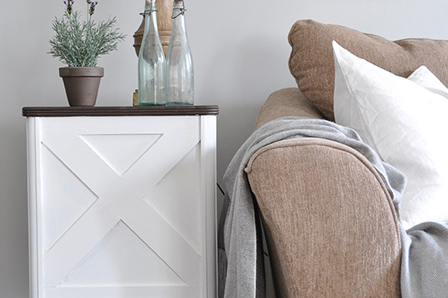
79, 45
180, 76
151, 62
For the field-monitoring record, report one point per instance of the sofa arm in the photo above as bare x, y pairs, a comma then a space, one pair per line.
286, 102
330, 225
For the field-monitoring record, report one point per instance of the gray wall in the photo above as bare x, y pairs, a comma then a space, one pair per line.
240, 52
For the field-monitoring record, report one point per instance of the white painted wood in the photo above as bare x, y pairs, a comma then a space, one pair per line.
122, 206
32, 206
208, 148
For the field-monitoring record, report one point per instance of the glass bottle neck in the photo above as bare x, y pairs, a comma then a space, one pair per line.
150, 6
150, 16
178, 16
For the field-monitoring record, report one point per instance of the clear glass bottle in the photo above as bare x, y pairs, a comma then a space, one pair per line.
151, 62
179, 61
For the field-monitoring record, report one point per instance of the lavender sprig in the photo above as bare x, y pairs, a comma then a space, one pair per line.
92, 7
69, 5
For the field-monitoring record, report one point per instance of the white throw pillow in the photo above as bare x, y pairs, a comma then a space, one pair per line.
404, 120
424, 77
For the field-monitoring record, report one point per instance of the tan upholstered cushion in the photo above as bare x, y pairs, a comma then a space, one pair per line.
312, 64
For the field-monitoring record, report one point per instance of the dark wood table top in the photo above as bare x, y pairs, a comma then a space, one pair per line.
120, 111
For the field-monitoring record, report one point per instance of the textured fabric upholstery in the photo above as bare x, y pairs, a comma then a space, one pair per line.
312, 64
330, 225
286, 102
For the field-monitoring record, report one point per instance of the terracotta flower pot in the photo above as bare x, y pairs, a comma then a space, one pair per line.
81, 84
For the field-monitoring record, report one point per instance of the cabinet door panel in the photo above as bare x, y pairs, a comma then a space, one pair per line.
120, 207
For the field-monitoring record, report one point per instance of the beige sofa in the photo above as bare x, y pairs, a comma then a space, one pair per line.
330, 225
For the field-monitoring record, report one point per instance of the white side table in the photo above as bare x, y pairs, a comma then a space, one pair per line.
122, 201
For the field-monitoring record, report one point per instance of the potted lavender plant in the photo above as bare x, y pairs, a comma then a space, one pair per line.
79, 44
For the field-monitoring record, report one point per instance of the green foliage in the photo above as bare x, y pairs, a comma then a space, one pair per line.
80, 44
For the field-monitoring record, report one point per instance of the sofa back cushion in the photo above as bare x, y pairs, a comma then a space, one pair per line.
312, 63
